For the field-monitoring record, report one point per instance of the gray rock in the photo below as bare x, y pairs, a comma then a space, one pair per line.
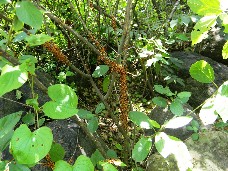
213, 45
209, 153
161, 115
200, 91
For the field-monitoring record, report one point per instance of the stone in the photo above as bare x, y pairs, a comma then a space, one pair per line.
209, 153
161, 115
200, 91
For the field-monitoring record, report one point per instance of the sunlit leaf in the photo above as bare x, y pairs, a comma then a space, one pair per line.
100, 71
178, 122
225, 51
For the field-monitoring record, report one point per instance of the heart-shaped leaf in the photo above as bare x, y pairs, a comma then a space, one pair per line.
29, 14
64, 102
30, 147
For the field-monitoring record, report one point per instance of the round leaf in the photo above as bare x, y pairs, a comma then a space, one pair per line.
141, 149
57, 152
29, 14
202, 72
83, 163
100, 71
63, 165
160, 101
176, 108
140, 119
30, 147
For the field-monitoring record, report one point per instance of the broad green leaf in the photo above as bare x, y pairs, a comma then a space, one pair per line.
160, 101
141, 149
201, 28
176, 108
28, 63
221, 99
173, 23
96, 157
30, 147
64, 102
107, 166
63, 165
85, 114
99, 108
5, 1
225, 51
140, 119
20, 36
195, 136
185, 19
100, 71
57, 152
5, 140
8, 122
178, 122
202, 72
184, 96
11, 78
170, 145
93, 124
205, 7
29, 119
112, 154
37, 39
154, 124
83, 163
17, 167
160, 89
106, 83
3, 165
17, 24
207, 112
29, 14
56, 110
224, 18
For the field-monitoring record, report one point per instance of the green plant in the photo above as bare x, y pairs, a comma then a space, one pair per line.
93, 35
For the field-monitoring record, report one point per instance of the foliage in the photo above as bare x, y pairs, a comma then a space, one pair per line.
99, 45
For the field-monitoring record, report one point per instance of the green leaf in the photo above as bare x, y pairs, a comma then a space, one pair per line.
202, 72
141, 149
100, 71
184, 96
140, 119
83, 163
107, 166
29, 119
99, 108
85, 114
20, 36
178, 122
63, 165
93, 124
201, 28
30, 147
155, 124
225, 51
57, 152
176, 108
7, 124
96, 157
106, 83
112, 154
195, 136
17, 24
221, 99
224, 18
160, 89
29, 14
64, 102
160, 101
11, 78
38, 39
205, 7
17, 167
5, 1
